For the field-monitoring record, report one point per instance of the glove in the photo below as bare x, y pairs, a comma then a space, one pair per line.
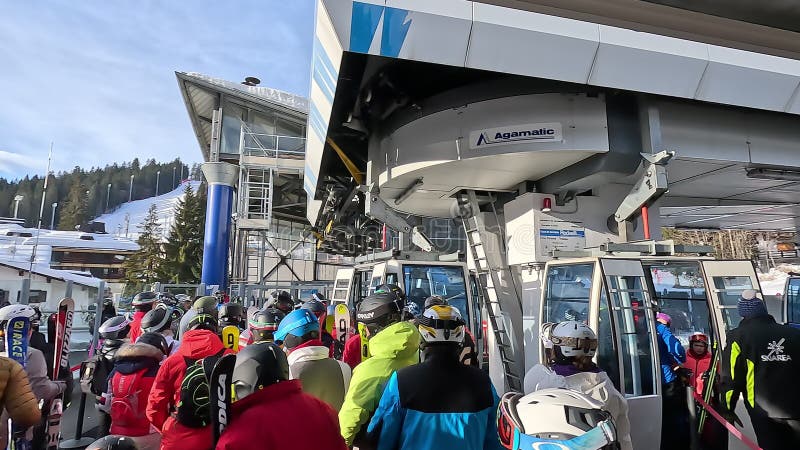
731, 417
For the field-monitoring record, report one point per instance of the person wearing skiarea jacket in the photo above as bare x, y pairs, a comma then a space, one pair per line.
195, 344
761, 362
393, 344
130, 384
273, 412
321, 376
441, 402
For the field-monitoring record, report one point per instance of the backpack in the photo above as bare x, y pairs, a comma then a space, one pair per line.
193, 408
126, 409
95, 372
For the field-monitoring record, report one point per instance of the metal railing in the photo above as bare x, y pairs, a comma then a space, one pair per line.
267, 145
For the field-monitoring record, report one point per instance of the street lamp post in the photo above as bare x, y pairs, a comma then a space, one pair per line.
130, 191
108, 195
174, 168
17, 199
53, 216
158, 178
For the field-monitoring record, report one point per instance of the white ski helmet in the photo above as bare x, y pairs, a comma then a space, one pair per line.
441, 323
11, 311
573, 338
552, 414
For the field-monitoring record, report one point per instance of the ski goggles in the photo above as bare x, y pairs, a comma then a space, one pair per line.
574, 342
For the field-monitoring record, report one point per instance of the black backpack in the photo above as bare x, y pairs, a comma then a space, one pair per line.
193, 408
95, 372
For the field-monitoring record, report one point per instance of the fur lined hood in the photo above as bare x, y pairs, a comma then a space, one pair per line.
139, 350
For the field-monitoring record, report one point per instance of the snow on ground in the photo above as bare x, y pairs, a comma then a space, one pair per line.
126, 219
774, 281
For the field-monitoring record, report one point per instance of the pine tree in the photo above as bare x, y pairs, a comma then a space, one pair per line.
145, 266
183, 252
74, 211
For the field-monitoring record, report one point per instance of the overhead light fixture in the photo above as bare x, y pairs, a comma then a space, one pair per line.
765, 173
409, 190
547, 204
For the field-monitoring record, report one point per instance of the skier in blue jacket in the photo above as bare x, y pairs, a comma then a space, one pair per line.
439, 403
673, 394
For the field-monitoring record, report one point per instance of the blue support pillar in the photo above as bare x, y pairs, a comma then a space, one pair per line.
221, 178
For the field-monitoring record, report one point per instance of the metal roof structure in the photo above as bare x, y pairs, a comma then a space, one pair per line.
202, 94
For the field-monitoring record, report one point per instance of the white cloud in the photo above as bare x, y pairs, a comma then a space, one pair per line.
19, 164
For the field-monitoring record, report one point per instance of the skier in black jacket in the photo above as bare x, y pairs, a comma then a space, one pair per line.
761, 362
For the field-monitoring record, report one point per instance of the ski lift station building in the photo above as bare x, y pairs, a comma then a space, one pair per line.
557, 130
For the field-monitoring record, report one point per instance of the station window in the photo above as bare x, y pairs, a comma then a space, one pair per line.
340, 289
567, 292
607, 350
793, 300
445, 281
729, 290
680, 291
632, 316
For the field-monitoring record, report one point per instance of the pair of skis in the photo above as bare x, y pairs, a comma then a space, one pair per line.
344, 329
220, 389
17, 349
66, 311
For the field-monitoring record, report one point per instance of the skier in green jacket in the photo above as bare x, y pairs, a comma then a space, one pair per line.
393, 344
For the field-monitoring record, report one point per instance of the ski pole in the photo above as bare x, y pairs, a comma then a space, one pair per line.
79, 441
694, 439
731, 429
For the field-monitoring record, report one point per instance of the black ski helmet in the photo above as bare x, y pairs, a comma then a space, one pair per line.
231, 314
202, 321
157, 319
257, 366
283, 301
379, 310
317, 307
116, 327
434, 300
144, 299
113, 443
392, 288
207, 305
156, 340
264, 323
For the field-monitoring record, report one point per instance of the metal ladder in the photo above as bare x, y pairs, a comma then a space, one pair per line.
474, 229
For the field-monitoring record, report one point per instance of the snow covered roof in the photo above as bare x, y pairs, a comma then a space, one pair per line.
22, 236
130, 215
259, 93
82, 278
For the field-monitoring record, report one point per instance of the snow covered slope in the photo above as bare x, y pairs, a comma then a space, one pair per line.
129, 216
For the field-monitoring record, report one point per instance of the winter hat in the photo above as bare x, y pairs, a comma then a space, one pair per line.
750, 305
665, 318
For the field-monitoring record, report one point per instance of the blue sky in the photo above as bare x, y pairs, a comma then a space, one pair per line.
97, 77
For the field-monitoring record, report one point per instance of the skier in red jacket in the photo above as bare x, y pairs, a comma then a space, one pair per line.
142, 303
265, 395
130, 383
698, 360
199, 340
